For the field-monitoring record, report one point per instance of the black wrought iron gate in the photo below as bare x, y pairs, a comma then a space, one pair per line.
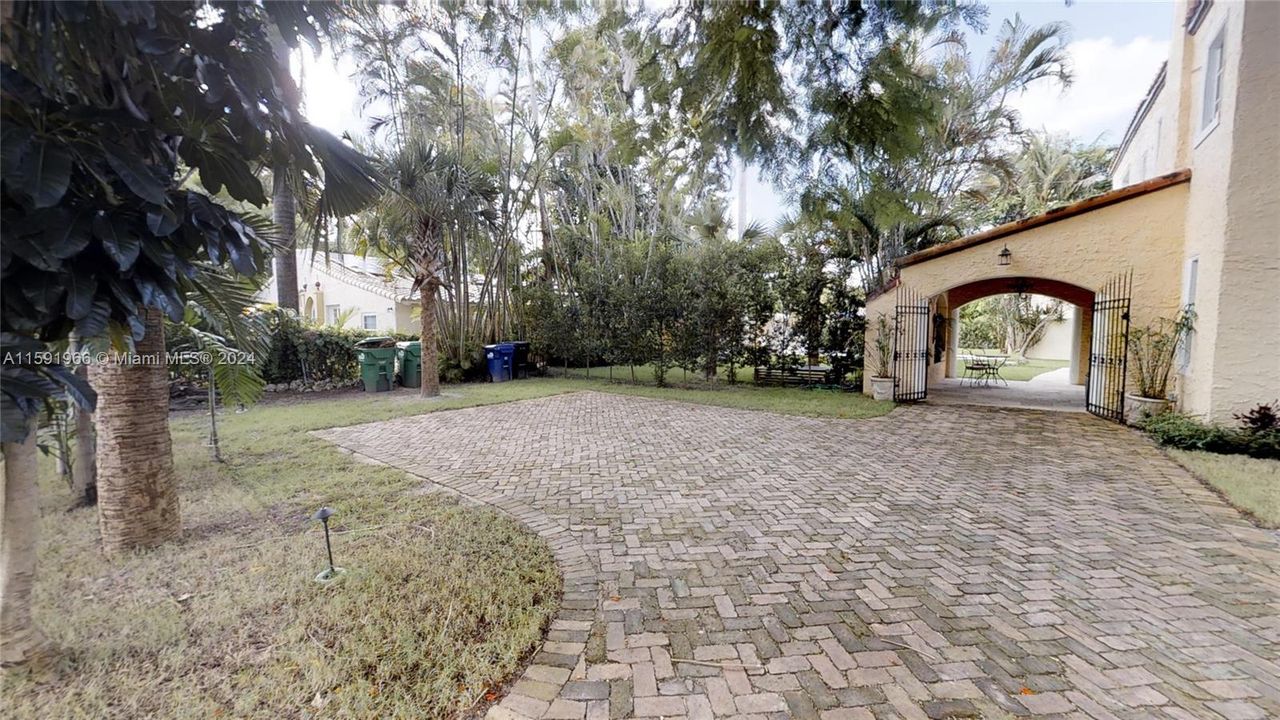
1108, 349
910, 346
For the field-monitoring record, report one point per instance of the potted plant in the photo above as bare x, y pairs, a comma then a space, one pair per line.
1152, 350
879, 360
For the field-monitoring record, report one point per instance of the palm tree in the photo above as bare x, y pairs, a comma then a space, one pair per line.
137, 487
1047, 172
434, 200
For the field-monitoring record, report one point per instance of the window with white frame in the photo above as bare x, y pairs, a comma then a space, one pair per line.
1213, 69
370, 321
1190, 275
331, 314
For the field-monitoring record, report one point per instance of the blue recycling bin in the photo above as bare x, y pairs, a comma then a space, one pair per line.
499, 358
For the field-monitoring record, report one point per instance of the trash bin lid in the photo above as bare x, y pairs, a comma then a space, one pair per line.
376, 342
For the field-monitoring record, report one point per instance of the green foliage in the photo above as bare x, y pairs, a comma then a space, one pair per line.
1189, 433
882, 349
298, 351
105, 103
979, 327
747, 72
1047, 172
1152, 349
892, 165
803, 285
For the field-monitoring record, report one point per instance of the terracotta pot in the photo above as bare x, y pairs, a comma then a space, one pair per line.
882, 388
1138, 408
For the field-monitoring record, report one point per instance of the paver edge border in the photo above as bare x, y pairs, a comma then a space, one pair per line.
579, 579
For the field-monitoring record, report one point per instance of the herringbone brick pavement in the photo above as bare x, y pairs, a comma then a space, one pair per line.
936, 562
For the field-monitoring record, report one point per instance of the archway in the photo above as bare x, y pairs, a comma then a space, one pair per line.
966, 374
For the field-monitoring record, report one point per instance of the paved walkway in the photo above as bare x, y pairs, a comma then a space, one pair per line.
936, 562
1033, 394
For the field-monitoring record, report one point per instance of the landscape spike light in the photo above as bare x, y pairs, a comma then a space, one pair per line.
332, 572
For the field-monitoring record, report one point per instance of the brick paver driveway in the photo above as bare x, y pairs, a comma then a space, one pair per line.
935, 562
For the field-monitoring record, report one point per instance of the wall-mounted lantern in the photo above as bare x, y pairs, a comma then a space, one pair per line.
1005, 256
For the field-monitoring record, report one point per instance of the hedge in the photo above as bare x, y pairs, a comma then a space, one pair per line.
1188, 433
309, 353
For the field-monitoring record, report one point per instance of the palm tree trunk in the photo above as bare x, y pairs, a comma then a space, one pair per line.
137, 487
84, 470
430, 346
21, 642
283, 205
284, 213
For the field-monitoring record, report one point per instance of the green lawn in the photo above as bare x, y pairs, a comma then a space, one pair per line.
1025, 370
441, 603
743, 394
1251, 484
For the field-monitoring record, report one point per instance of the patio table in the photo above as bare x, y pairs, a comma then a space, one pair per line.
983, 369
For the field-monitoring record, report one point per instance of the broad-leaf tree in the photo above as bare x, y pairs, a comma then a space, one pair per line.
107, 107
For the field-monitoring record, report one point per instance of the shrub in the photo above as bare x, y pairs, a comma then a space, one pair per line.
1260, 419
1152, 350
881, 355
1188, 433
311, 353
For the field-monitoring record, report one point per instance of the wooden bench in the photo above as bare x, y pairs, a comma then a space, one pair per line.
801, 376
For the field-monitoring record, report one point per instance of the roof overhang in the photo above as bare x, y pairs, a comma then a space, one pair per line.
1068, 211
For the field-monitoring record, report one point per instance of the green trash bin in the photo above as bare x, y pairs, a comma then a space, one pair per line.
377, 358
409, 363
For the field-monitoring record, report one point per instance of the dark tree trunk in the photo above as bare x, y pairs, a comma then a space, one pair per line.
284, 212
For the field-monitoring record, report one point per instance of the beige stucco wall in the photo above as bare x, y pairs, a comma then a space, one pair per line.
1233, 221
1143, 234
1244, 325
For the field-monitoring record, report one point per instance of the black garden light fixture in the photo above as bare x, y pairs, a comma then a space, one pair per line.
332, 572
1006, 256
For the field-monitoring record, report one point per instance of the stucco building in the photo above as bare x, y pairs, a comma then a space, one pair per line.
1193, 222
352, 291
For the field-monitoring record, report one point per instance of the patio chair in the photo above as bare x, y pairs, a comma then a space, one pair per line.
975, 370
992, 371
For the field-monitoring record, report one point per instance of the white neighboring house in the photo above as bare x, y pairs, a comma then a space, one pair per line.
370, 295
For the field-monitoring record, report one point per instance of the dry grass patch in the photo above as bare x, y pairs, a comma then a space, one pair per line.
440, 605
1250, 484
